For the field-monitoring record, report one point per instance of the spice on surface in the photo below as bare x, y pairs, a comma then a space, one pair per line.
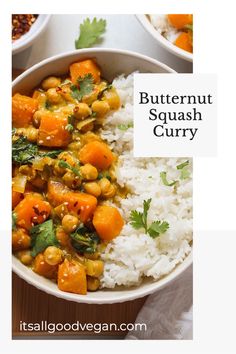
21, 24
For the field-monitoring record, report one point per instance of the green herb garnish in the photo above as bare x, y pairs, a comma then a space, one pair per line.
184, 171
164, 180
139, 221
24, 152
42, 236
14, 220
64, 164
125, 127
90, 32
47, 105
104, 174
85, 87
84, 241
182, 165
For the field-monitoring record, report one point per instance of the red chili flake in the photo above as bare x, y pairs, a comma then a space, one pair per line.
21, 24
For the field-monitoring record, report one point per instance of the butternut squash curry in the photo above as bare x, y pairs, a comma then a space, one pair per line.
62, 174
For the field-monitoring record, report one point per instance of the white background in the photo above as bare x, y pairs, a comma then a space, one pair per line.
214, 183
205, 140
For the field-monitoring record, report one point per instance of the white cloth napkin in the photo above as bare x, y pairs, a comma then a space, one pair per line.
168, 312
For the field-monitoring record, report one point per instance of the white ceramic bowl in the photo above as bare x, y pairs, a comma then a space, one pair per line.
145, 22
28, 38
112, 62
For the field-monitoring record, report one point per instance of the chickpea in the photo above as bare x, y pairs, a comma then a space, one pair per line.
20, 240
82, 111
30, 133
66, 94
110, 192
93, 188
69, 223
50, 82
67, 110
92, 283
37, 118
52, 255
71, 180
25, 257
62, 236
53, 96
68, 157
92, 256
94, 268
112, 98
105, 184
90, 136
101, 108
89, 172
75, 146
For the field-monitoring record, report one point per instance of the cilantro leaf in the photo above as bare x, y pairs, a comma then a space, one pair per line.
157, 228
23, 151
146, 207
136, 219
139, 221
64, 164
84, 241
53, 154
90, 32
85, 87
42, 236
164, 180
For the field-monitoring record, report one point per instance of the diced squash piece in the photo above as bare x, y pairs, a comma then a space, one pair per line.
179, 21
20, 240
81, 68
43, 268
108, 222
23, 108
32, 210
82, 204
16, 198
52, 130
183, 41
72, 277
97, 154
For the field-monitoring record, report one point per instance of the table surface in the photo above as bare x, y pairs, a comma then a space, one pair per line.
29, 303
123, 32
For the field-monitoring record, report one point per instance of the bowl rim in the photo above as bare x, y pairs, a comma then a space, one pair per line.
147, 25
91, 51
134, 293
26, 40
107, 298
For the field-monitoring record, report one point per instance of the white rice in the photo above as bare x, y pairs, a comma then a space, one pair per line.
134, 255
162, 25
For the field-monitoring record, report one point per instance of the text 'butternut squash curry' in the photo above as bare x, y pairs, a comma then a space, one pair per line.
62, 173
